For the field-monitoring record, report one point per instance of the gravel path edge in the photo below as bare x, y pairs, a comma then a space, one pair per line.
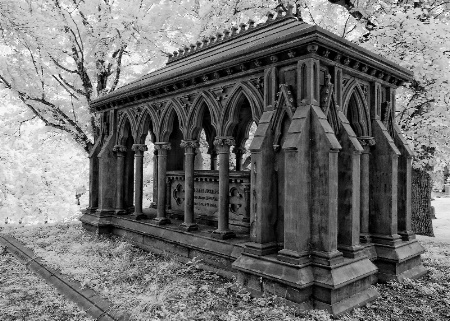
89, 300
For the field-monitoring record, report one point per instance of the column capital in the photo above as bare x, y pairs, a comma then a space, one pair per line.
139, 148
220, 141
189, 144
163, 146
366, 141
119, 149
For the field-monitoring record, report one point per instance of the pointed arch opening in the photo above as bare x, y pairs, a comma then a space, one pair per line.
356, 113
206, 156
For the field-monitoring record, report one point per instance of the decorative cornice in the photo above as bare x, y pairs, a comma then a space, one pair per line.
348, 60
226, 35
139, 148
189, 144
224, 141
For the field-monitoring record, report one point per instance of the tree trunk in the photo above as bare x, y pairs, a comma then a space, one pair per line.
421, 203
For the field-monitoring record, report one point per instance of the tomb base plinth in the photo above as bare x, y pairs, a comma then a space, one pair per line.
399, 261
98, 222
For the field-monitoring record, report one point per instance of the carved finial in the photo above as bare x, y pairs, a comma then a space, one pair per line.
289, 10
186, 50
269, 16
280, 11
205, 42
175, 54
199, 44
251, 24
192, 47
242, 26
219, 36
226, 33
211, 39
234, 30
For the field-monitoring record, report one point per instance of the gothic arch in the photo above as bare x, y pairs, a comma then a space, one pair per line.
284, 107
355, 104
194, 121
171, 109
147, 120
123, 131
229, 117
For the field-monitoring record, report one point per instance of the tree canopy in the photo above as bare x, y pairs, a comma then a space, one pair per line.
58, 55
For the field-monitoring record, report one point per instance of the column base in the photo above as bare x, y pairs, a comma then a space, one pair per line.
407, 235
90, 210
189, 227
141, 216
293, 257
162, 220
354, 251
120, 212
365, 238
327, 258
223, 235
261, 248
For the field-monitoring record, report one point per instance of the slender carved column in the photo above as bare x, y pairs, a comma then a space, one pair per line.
189, 155
139, 150
162, 148
247, 188
213, 157
366, 143
223, 147
238, 151
155, 177
120, 151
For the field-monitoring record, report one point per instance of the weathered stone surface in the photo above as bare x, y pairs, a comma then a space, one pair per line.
324, 211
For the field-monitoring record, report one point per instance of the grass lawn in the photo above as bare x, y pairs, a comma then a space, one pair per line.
155, 287
23, 296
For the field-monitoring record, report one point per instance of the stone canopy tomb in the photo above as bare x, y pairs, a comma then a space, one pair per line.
320, 210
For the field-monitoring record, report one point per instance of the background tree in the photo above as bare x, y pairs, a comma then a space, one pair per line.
58, 55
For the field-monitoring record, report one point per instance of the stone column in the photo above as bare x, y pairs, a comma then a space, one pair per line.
223, 144
120, 151
238, 151
213, 157
155, 177
162, 148
366, 142
139, 150
189, 156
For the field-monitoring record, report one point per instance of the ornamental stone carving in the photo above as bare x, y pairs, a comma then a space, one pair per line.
189, 144
366, 141
224, 140
163, 146
139, 148
119, 149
